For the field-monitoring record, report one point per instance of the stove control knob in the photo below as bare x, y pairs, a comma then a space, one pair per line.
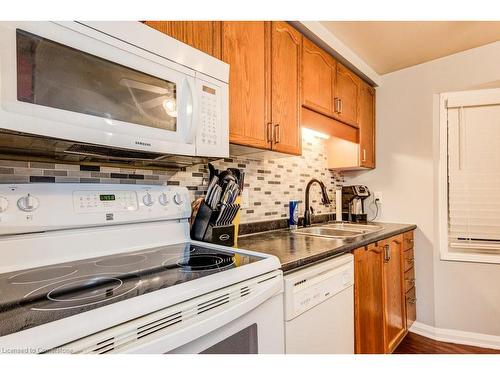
178, 199
28, 203
163, 199
4, 204
147, 200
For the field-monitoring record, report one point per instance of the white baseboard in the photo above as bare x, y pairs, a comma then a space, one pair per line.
456, 336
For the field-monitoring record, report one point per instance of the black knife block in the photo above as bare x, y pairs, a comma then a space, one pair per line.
204, 229
220, 234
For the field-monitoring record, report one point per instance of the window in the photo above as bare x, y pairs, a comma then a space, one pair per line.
470, 176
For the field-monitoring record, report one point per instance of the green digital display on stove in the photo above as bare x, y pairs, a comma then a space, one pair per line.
107, 197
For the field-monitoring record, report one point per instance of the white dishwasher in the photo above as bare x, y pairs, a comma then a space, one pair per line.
319, 308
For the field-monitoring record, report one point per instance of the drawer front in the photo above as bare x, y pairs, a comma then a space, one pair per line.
411, 308
408, 259
409, 279
408, 240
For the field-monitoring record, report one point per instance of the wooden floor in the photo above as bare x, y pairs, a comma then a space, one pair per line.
416, 344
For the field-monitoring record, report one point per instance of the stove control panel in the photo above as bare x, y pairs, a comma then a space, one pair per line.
105, 201
26, 208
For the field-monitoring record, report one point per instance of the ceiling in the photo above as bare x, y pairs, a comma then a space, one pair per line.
388, 46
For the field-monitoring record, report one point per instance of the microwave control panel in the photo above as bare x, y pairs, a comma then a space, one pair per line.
209, 118
212, 137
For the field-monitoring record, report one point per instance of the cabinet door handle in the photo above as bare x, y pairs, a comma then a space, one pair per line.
364, 155
340, 106
277, 133
336, 107
412, 301
269, 132
387, 253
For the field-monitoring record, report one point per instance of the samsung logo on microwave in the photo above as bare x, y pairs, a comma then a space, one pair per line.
139, 143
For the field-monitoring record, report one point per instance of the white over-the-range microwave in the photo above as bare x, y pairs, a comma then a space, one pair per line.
114, 84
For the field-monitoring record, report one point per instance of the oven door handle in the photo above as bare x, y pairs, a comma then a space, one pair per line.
189, 97
202, 327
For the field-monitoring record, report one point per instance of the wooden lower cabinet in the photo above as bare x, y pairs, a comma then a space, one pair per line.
368, 302
394, 300
383, 306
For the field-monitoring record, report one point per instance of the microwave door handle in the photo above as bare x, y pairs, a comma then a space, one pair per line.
190, 97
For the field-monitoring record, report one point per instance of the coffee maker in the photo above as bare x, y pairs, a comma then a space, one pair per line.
353, 198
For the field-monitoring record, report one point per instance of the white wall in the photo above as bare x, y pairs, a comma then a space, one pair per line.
452, 295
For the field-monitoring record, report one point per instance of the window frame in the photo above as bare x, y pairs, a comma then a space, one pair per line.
473, 97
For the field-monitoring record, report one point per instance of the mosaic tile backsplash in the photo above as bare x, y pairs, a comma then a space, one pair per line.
270, 184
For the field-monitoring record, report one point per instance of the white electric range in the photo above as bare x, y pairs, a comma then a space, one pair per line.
94, 268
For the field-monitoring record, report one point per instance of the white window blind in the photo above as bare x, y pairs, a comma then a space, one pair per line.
474, 178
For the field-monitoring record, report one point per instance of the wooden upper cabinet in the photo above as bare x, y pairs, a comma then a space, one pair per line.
285, 87
202, 35
368, 299
245, 46
366, 126
394, 294
346, 95
318, 78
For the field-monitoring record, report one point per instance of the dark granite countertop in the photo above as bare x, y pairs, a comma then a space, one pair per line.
297, 250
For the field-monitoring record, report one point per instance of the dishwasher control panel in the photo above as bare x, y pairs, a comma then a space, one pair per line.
311, 286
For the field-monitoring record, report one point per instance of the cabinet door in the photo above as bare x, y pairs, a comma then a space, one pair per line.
285, 87
203, 35
367, 126
246, 47
318, 76
394, 300
368, 299
346, 98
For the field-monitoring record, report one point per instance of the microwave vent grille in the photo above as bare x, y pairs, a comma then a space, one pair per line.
108, 152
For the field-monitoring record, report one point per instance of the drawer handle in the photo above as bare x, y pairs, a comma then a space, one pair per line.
410, 240
410, 260
411, 281
412, 300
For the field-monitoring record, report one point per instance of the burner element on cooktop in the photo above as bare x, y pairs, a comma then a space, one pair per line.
121, 261
205, 262
82, 291
42, 274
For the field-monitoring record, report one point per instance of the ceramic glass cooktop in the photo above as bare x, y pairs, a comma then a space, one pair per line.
40, 295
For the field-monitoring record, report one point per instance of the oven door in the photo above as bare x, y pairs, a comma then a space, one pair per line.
71, 82
254, 325
259, 331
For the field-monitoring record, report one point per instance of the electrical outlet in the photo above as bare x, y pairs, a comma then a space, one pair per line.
378, 196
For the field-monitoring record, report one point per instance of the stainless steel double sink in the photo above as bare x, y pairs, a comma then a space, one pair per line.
346, 231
